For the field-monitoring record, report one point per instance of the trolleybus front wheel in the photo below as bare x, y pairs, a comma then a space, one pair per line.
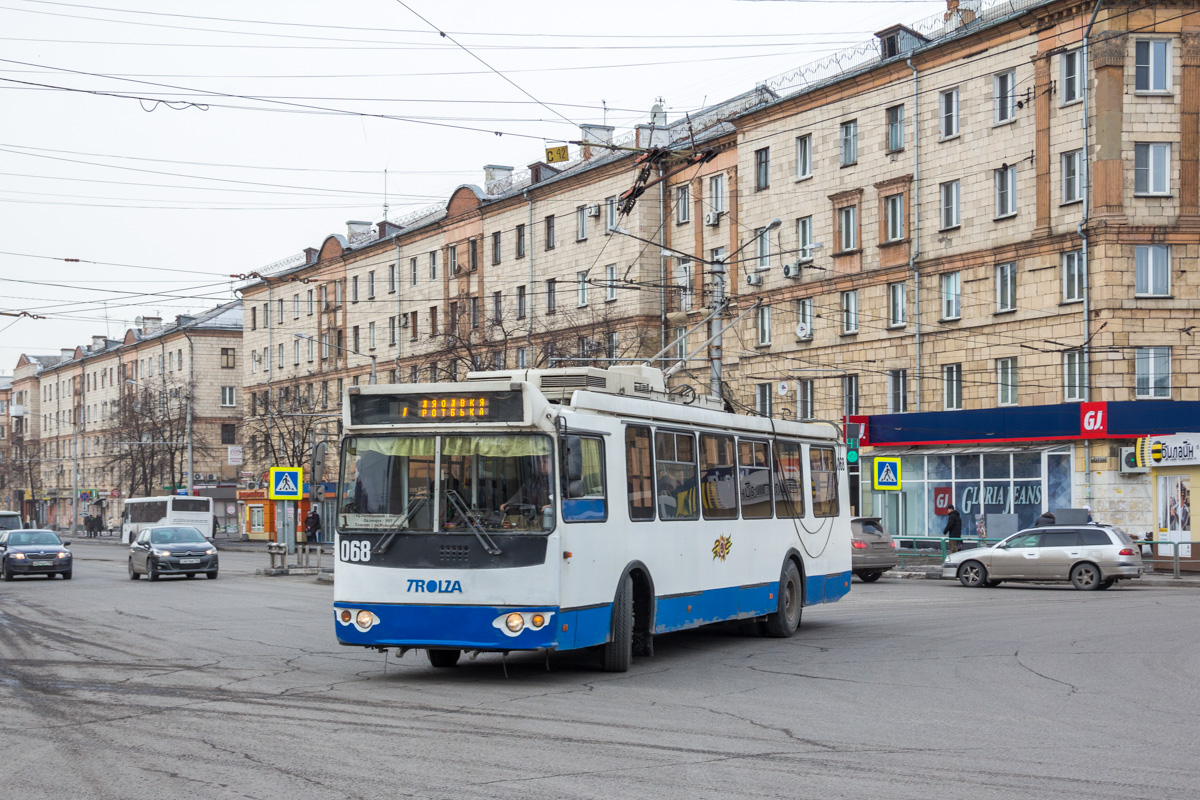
786, 619
618, 653
443, 658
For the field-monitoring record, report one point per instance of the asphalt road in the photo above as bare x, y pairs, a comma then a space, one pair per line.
111, 688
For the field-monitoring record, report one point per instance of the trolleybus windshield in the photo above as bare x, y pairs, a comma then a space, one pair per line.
500, 483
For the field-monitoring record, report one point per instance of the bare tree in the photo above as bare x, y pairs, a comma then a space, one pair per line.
150, 439
284, 425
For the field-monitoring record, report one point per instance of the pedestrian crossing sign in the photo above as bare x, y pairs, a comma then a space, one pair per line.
287, 483
887, 474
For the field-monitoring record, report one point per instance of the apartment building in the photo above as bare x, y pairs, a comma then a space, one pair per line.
985, 254
114, 418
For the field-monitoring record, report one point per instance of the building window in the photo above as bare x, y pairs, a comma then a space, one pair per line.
433, 326
849, 395
1070, 77
520, 302
762, 399
324, 346
847, 229
1072, 174
549, 227
610, 283
951, 192
393, 270
310, 302
472, 254
948, 113
551, 298
1072, 276
311, 345
763, 324
581, 280
762, 246
279, 308
452, 259
893, 207
1006, 191
355, 339
804, 318
1006, 286
228, 433
412, 269
520, 241
433, 265
762, 168
371, 335
1151, 168
1074, 376
1006, 380
1153, 372
522, 358
952, 387
804, 156
897, 304
1153, 262
804, 239
951, 296
610, 213
850, 311
581, 223
849, 143
371, 284
1004, 97
897, 391
716, 193
496, 247
1152, 59
683, 279
804, 399
353, 289
227, 396
895, 128
296, 306
295, 352
683, 204
497, 306
228, 358
474, 312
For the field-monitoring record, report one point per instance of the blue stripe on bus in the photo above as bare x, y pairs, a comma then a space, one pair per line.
826, 588
467, 627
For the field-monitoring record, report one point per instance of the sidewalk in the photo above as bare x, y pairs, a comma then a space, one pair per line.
228, 545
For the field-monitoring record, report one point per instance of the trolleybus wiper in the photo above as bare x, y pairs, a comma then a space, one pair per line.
414, 505
472, 522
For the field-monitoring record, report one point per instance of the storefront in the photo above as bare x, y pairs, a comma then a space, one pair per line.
261, 519
1174, 463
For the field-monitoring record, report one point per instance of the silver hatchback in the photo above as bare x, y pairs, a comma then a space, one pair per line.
1089, 556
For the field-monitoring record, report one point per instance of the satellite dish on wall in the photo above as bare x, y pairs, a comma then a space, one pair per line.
137, 321
803, 331
782, 388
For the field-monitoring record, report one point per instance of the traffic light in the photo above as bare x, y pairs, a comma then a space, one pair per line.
852, 451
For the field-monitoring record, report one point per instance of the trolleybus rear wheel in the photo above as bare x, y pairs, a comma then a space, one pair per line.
786, 619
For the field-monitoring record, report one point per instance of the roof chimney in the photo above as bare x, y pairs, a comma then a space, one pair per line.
66, 354
151, 324
495, 174
359, 233
98, 343
655, 134
594, 134
960, 13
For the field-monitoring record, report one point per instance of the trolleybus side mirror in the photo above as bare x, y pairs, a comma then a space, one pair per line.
572, 459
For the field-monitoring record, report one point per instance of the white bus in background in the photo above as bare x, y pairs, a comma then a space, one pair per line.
147, 512
563, 509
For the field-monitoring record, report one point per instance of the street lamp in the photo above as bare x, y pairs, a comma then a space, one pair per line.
345, 349
190, 463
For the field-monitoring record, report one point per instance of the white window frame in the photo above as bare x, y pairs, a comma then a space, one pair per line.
850, 311
1071, 164
581, 287
804, 157
951, 204
804, 313
716, 193
610, 211
1074, 377
683, 280
1072, 276
762, 169
295, 352
1006, 286
848, 143
762, 247
610, 287
897, 294
895, 128
804, 239
1072, 90
897, 391
370, 284
1163, 61
951, 288
1004, 97
847, 229
762, 325
762, 399
433, 265
948, 114
228, 396
683, 203
1152, 169
850, 395
804, 399
371, 334
1006, 381
581, 223
1152, 366
1006, 191
893, 206
952, 387
452, 260
1152, 268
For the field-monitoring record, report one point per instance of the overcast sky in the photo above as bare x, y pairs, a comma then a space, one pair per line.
241, 133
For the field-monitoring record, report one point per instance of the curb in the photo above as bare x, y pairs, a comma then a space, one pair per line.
1165, 581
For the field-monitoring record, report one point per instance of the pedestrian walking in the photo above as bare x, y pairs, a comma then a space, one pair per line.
1047, 518
312, 526
953, 529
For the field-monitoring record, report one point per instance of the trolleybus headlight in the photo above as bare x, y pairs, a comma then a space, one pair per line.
346, 615
537, 621
365, 619
514, 622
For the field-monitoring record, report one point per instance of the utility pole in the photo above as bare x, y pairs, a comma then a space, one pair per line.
74, 472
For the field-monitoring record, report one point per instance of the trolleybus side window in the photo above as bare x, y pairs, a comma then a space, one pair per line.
789, 481
584, 498
718, 483
754, 476
639, 458
675, 472
823, 466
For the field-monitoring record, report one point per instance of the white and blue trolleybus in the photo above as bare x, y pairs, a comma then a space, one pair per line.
562, 509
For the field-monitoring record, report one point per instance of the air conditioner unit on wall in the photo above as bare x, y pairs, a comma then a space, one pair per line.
791, 270
593, 211
1129, 462
754, 279
712, 219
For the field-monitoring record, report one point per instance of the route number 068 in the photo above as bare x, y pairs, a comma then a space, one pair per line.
356, 550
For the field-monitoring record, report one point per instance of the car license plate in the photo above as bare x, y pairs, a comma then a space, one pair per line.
43, 563
189, 561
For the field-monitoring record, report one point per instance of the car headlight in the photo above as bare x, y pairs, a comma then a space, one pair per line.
210, 552
161, 552
64, 554
18, 556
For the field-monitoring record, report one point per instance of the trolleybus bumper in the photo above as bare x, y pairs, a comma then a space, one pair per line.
464, 627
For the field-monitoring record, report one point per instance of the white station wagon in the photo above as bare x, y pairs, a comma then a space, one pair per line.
1089, 556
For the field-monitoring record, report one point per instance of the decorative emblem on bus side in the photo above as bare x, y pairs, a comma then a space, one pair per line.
721, 547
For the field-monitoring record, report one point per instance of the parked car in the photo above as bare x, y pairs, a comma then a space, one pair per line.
1089, 556
172, 550
34, 552
872, 552
10, 521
